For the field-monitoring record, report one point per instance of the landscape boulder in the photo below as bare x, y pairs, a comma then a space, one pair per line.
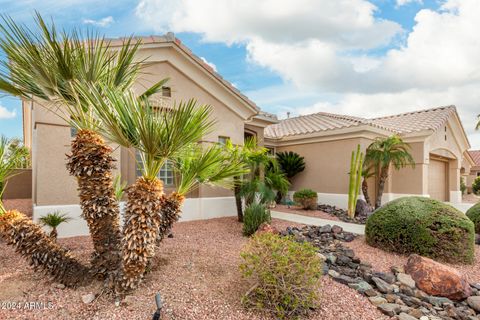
362, 209
267, 228
437, 279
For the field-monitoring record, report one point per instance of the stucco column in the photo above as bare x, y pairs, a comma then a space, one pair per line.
454, 181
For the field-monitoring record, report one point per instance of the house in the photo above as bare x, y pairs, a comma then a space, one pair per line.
436, 136
474, 171
326, 140
49, 137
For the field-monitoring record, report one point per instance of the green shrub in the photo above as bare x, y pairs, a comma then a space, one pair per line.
474, 214
423, 226
463, 186
476, 185
255, 214
285, 275
307, 198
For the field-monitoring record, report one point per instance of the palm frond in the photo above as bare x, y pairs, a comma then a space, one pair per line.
44, 64
54, 219
210, 165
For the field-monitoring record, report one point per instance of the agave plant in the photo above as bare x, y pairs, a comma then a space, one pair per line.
53, 220
158, 134
46, 66
28, 238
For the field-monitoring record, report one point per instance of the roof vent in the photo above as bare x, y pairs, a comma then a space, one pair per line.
288, 114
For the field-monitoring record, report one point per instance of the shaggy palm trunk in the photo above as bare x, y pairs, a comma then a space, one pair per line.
238, 198
42, 252
54, 234
381, 187
365, 192
169, 214
91, 163
141, 230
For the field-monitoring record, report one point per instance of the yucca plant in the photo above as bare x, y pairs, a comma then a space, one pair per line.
28, 238
53, 220
158, 134
46, 65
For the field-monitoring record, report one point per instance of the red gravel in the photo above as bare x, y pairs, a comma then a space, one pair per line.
196, 272
382, 260
309, 213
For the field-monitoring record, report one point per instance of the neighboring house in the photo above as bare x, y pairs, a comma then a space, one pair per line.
49, 137
474, 171
326, 140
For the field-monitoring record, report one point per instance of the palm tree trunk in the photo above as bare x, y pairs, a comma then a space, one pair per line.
238, 198
91, 163
169, 213
381, 186
365, 192
54, 234
141, 230
43, 253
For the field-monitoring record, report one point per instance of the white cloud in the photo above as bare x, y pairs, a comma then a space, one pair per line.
6, 114
210, 64
104, 22
326, 47
404, 2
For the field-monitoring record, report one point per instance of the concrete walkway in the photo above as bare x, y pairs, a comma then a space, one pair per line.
349, 227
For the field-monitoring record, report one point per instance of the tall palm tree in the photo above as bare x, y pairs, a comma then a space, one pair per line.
158, 134
29, 239
367, 173
384, 153
45, 65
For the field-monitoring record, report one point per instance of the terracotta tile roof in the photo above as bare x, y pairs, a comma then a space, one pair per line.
429, 119
475, 154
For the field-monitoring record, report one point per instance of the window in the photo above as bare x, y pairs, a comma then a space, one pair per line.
478, 174
73, 132
223, 140
166, 92
271, 150
165, 174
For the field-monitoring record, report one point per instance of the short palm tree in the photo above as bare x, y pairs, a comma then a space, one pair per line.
367, 173
53, 220
291, 163
29, 239
45, 65
384, 153
158, 134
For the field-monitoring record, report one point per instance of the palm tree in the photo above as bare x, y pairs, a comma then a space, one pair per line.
291, 163
367, 173
45, 65
383, 153
29, 239
158, 134
53, 220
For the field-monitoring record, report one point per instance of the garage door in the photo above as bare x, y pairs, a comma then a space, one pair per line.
437, 180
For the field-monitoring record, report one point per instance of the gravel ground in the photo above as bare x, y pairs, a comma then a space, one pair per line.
382, 260
309, 213
196, 272
470, 198
22, 205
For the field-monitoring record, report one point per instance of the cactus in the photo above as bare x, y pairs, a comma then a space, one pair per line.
355, 174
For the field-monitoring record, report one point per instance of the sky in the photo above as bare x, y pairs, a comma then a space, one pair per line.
356, 57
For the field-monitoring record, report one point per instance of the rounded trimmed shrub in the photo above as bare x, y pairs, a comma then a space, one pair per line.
307, 198
285, 275
474, 214
424, 226
476, 185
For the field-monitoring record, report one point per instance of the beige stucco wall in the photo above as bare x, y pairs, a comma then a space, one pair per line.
19, 186
409, 180
51, 136
327, 164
